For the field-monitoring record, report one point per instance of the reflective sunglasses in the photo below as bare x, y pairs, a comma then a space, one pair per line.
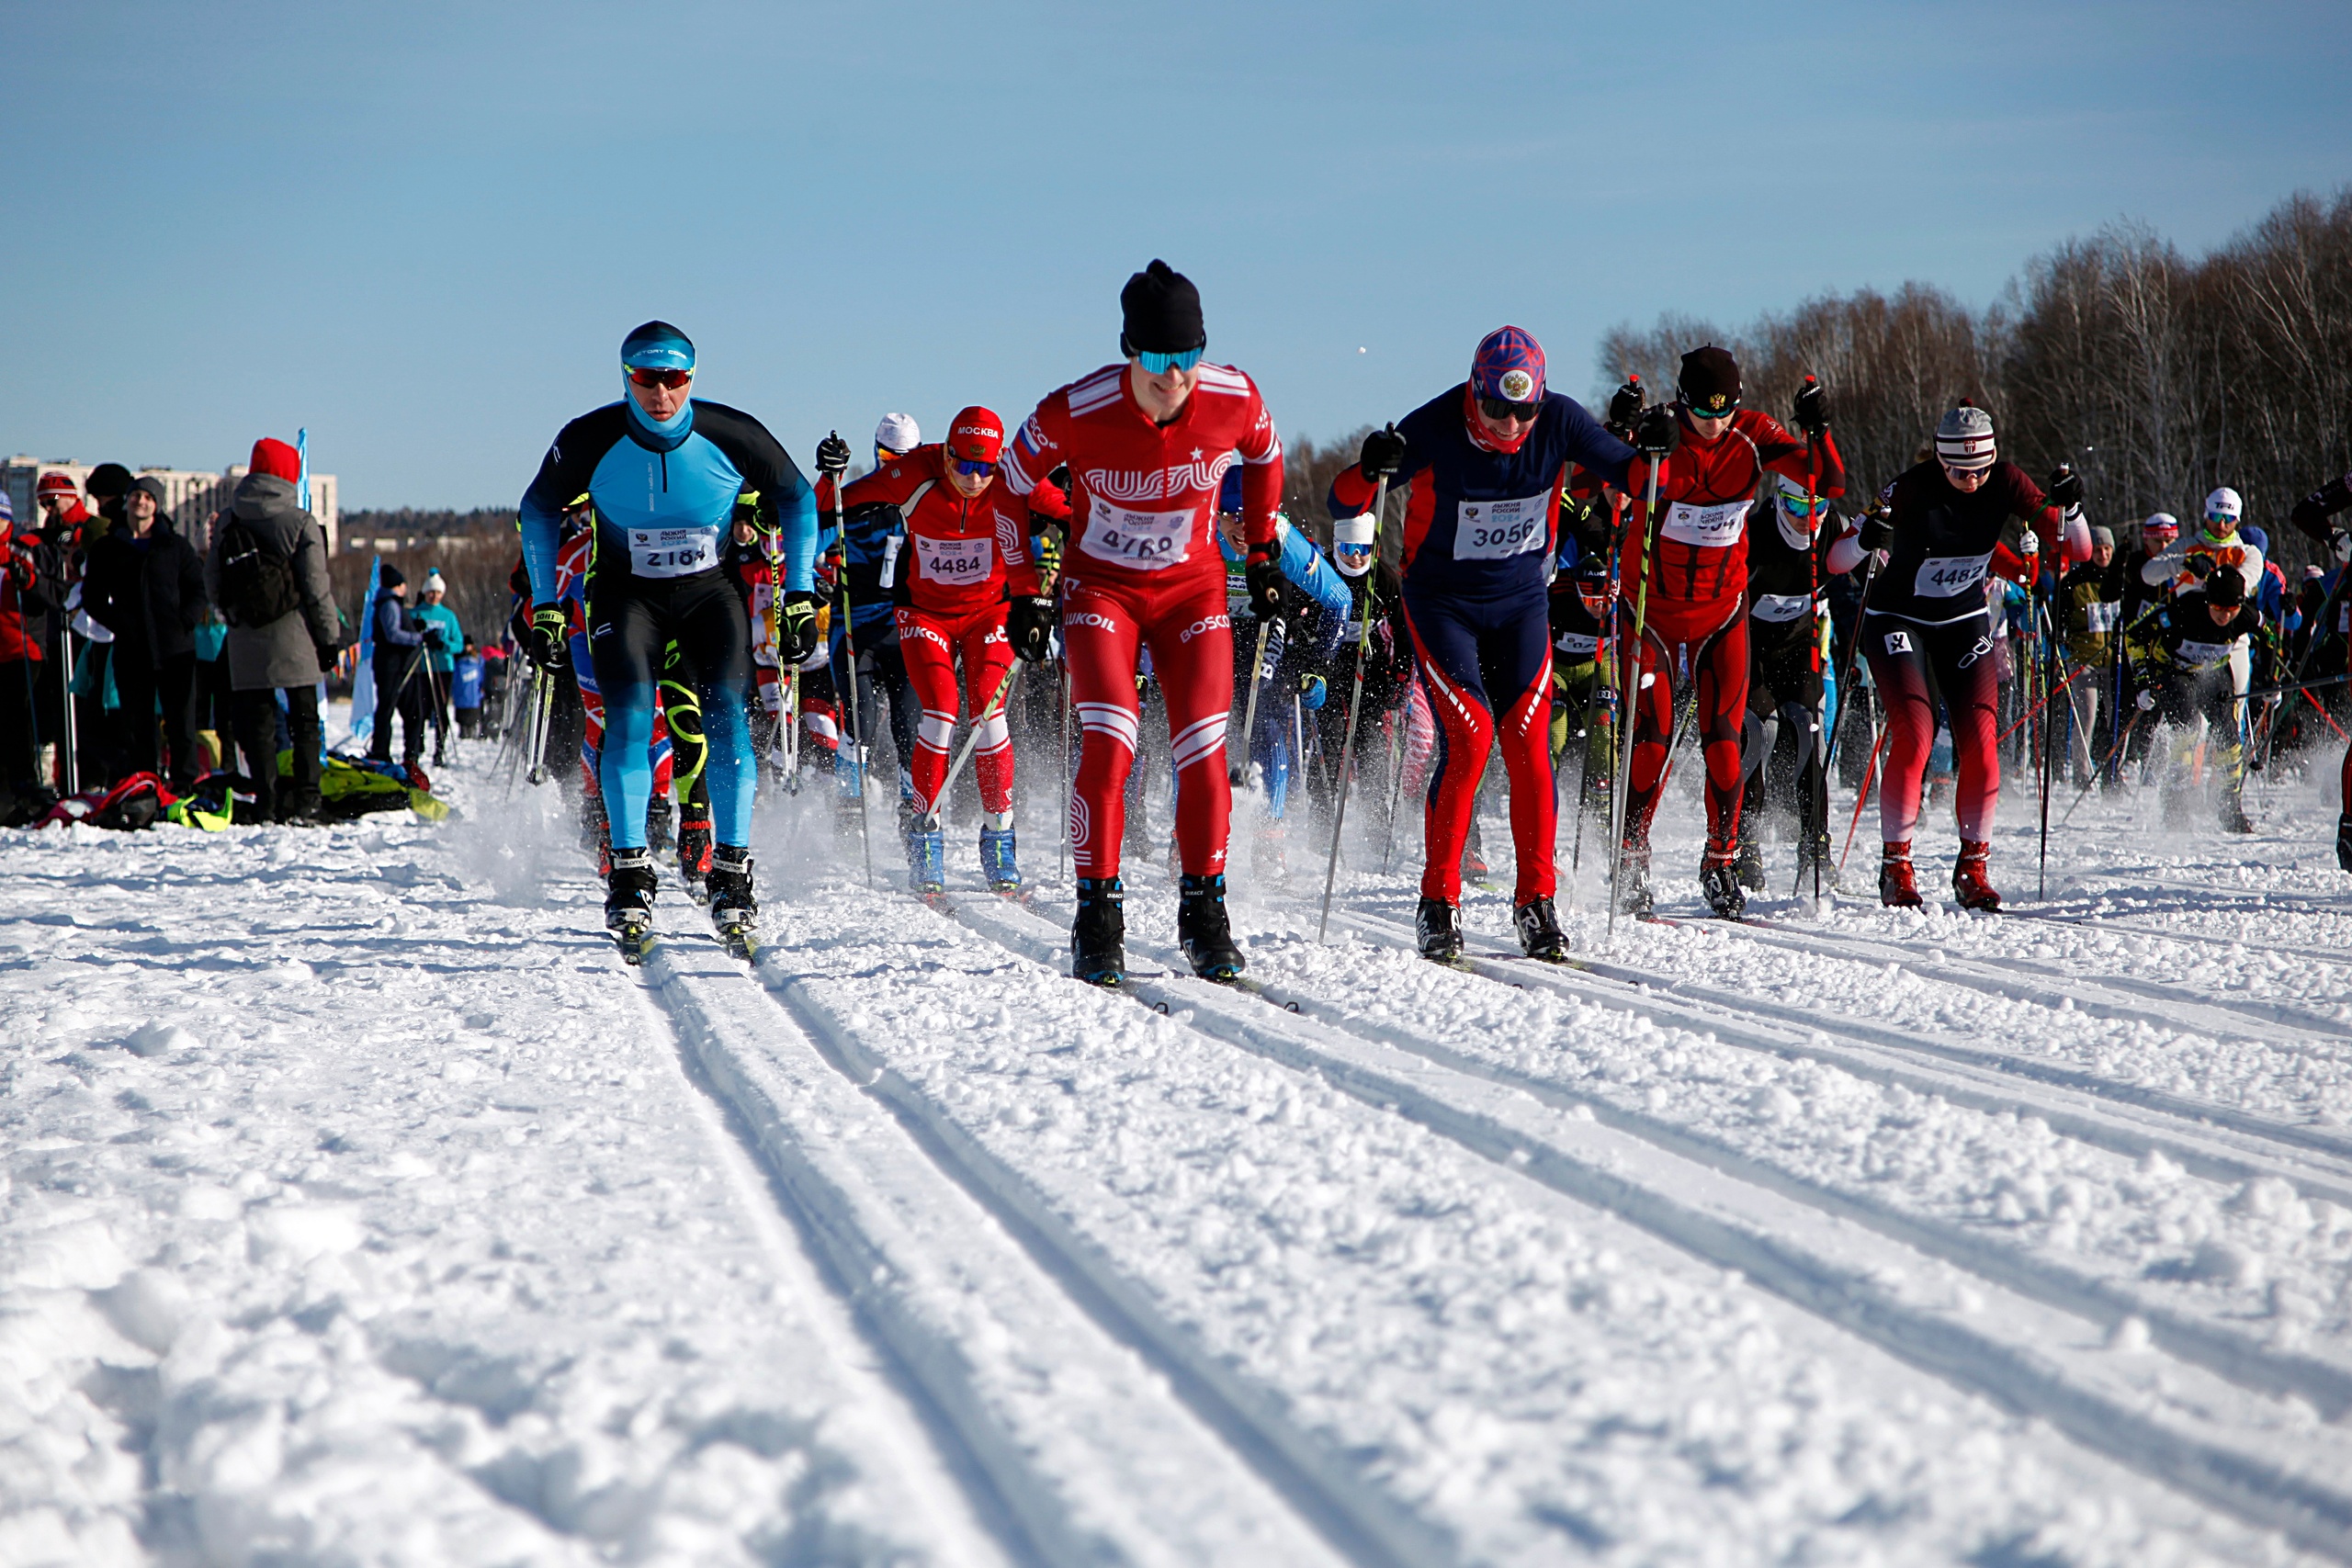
1803, 506
655, 376
2220, 522
1503, 407
1161, 363
972, 471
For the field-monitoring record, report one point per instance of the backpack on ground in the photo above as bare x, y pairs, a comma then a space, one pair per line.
257, 583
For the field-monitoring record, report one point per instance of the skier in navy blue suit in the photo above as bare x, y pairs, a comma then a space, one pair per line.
663, 473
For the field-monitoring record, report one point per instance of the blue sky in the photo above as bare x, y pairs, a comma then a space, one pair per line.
421, 230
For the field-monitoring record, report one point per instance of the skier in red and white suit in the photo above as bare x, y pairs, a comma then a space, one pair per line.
1696, 625
1147, 444
948, 577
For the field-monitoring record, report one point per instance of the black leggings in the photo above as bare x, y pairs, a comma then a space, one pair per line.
256, 722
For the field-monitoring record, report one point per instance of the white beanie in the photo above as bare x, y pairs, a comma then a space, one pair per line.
899, 433
1964, 439
433, 583
2225, 501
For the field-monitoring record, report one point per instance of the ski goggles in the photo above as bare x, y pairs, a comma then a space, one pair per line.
2221, 522
1503, 407
1805, 505
1161, 363
659, 376
972, 471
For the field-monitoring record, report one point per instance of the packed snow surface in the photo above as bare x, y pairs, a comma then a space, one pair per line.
360, 1206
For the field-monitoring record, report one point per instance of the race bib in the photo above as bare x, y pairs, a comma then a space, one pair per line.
1782, 607
1577, 645
2101, 615
956, 563
1147, 541
1496, 530
672, 552
1708, 528
1948, 576
2204, 655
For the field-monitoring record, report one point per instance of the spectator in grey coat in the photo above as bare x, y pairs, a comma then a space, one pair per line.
284, 657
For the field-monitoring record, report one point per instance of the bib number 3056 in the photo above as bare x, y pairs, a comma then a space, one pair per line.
1496, 530
672, 552
1147, 541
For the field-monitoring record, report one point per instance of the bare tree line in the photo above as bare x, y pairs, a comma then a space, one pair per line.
2157, 376
474, 551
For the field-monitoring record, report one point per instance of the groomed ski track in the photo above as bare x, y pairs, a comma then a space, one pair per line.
1377, 1262
2034, 1344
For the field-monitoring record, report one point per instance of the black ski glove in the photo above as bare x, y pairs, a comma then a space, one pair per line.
1812, 408
795, 624
1383, 455
1625, 404
550, 644
2065, 490
1877, 527
2200, 567
1029, 626
1264, 574
832, 455
1660, 433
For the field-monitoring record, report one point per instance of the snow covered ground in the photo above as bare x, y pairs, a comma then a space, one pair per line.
360, 1207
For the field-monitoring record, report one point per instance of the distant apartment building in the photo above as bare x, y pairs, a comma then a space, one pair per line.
190, 495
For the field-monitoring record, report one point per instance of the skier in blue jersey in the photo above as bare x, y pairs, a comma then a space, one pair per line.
663, 472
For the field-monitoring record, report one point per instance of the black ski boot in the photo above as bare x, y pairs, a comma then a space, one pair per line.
629, 888
1437, 926
733, 911
2343, 840
1749, 864
694, 852
2233, 817
1720, 882
1098, 938
1539, 931
1632, 893
1816, 853
1202, 930
657, 835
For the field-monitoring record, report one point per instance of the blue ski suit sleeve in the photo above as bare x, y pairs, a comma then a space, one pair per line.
1304, 565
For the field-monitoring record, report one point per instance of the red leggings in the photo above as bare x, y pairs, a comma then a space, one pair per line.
1190, 636
1681, 643
1474, 656
1960, 653
929, 644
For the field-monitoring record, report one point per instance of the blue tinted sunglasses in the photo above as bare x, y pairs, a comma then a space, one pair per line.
972, 471
1161, 363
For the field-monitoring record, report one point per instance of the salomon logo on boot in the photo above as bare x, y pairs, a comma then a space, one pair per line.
1098, 938
629, 887
1437, 927
1202, 930
1538, 926
694, 854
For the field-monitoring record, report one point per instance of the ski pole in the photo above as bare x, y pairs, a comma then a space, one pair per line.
1355, 702
930, 822
1395, 781
1853, 653
2129, 725
1862, 799
72, 772
542, 712
1629, 701
1238, 773
1813, 563
2049, 735
1062, 690
849, 645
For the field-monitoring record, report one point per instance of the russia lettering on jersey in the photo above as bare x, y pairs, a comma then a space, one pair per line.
1143, 494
